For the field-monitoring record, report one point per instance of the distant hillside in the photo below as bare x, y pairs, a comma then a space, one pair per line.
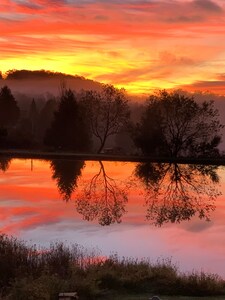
37, 74
41, 81
42, 85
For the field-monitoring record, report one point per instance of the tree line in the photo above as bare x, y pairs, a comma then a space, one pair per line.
171, 124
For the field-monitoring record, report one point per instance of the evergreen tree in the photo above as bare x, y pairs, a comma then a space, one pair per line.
9, 111
46, 117
68, 130
33, 117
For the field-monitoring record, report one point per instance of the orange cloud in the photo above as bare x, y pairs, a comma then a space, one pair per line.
157, 44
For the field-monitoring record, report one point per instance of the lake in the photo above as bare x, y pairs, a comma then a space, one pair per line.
133, 209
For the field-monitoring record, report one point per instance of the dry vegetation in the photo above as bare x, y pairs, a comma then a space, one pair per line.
29, 272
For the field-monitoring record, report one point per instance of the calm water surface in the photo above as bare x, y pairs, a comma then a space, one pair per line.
140, 210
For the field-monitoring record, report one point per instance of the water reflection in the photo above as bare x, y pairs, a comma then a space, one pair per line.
177, 192
4, 163
102, 199
66, 174
173, 192
30, 208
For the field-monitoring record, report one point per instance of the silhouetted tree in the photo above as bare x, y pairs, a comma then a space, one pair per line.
175, 125
69, 128
46, 117
66, 174
108, 112
103, 199
33, 117
22, 135
4, 163
9, 111
3, 136
177, 192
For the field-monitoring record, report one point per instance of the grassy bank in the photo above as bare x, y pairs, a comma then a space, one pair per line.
32, 273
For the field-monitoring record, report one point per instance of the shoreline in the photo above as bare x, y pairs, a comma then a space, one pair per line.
37, 154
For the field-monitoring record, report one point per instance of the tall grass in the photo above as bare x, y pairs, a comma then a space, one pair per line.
29, 272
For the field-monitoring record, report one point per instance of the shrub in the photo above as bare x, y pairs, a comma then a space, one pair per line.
41, 274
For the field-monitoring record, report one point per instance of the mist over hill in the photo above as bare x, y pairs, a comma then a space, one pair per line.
43, 85
35, 83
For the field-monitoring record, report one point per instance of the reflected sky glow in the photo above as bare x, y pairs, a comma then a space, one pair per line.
32, 208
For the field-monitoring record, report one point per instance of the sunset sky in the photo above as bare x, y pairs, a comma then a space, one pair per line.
139, 45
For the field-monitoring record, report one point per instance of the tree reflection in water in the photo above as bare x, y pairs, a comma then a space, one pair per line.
177, 192
103, 198
66, 174
4, 163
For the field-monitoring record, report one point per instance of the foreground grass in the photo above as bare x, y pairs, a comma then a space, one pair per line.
40, 274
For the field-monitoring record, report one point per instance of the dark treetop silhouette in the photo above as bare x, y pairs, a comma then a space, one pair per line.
175, 125
108, 112
69, 129
9, 111
176, 192
9, 116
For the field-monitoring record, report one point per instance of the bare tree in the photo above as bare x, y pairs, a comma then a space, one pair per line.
107, 111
